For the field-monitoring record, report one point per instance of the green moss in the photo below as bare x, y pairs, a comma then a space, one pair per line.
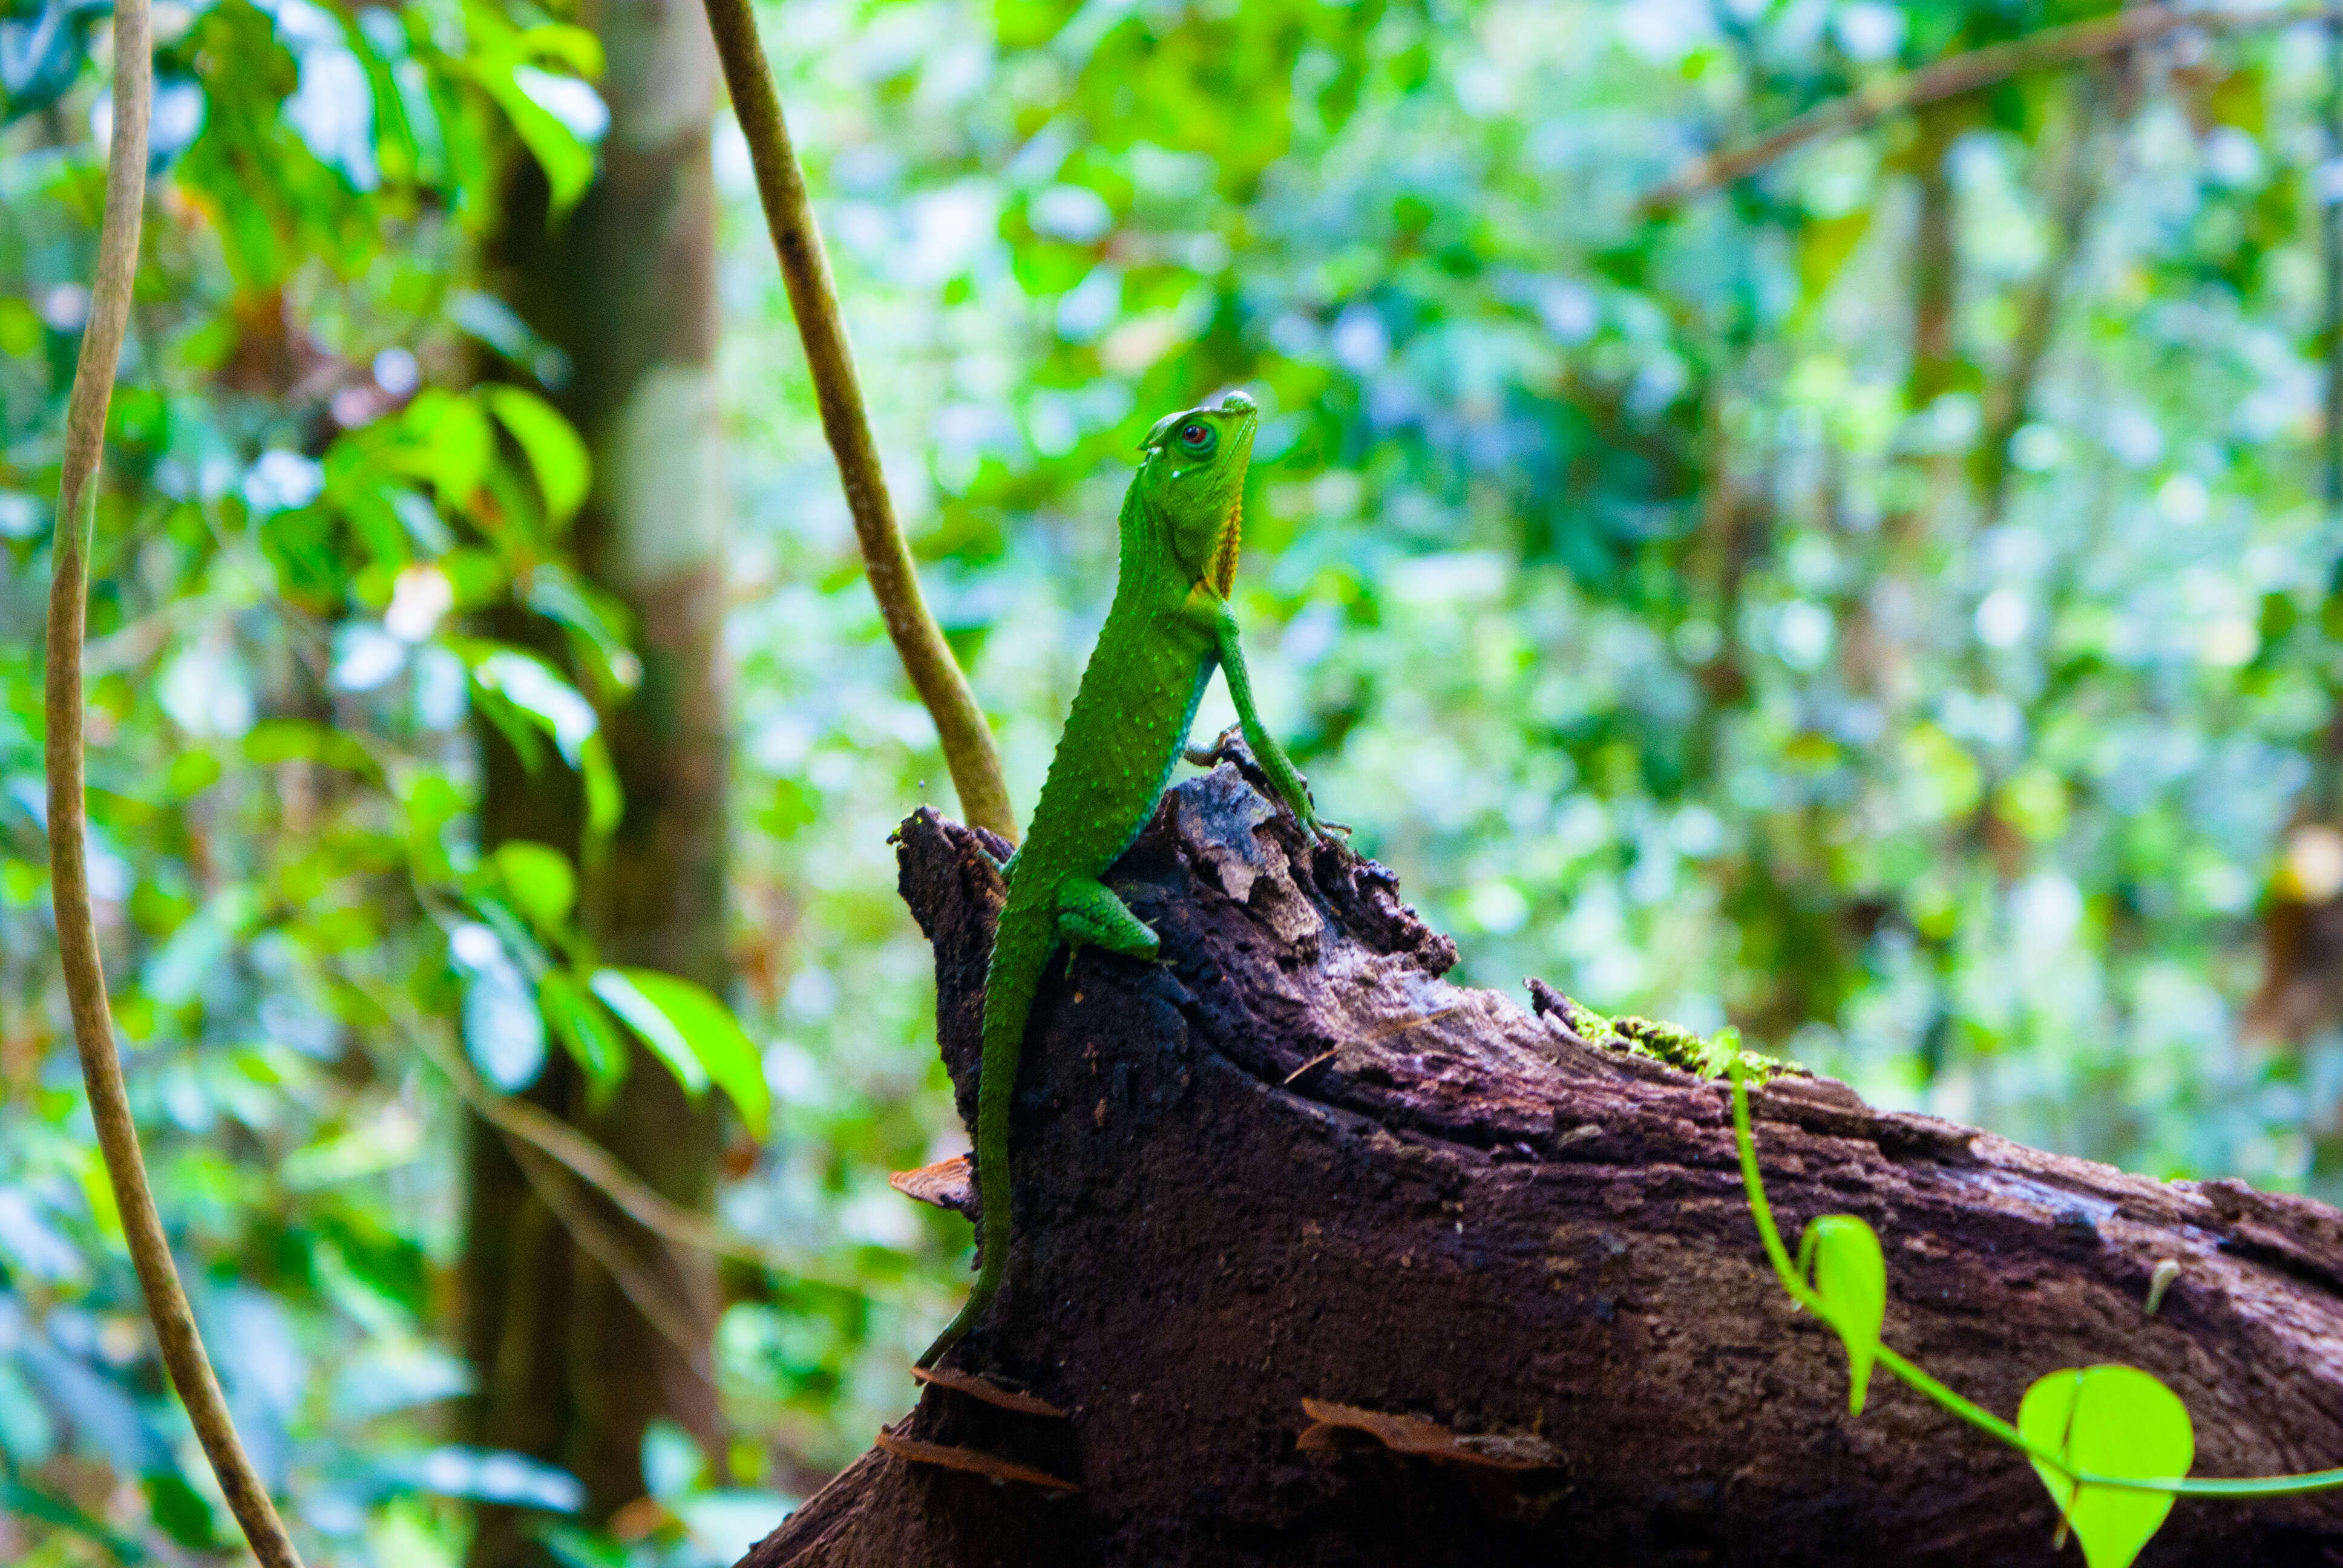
1679, 1048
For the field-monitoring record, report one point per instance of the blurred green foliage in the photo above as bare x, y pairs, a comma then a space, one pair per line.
1887, 606
1629, 579
306, 495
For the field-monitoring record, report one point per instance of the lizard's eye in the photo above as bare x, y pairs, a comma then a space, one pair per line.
1196, 438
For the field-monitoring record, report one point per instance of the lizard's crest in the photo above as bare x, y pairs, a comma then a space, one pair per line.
1193, 486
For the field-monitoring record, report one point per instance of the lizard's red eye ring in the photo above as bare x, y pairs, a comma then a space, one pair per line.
1196, 438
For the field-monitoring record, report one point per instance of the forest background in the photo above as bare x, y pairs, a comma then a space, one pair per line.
1889, 603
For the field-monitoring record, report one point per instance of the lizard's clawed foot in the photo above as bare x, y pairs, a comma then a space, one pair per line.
1335, 836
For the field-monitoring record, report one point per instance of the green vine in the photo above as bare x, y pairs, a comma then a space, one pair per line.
2098, 1436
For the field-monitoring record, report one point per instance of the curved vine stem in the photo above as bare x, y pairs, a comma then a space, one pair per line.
927, 660
84, 977
1976, 1415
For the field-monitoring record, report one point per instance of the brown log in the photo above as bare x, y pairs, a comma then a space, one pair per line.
1464, 1215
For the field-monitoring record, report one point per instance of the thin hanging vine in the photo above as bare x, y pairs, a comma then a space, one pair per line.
969, 751
84, 975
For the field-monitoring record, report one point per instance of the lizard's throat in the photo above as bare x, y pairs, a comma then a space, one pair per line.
1222, 572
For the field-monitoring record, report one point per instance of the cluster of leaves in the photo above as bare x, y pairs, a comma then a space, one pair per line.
2111, 1443
308, 501
1635, 582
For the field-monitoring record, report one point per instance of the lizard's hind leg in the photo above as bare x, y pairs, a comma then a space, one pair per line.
1090, 911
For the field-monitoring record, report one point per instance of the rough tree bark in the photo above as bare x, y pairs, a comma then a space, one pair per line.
1292, 1161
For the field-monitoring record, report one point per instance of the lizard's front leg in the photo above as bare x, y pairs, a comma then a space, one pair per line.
1283, 775
1089, 911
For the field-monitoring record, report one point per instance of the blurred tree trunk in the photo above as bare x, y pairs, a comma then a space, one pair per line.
570, 1368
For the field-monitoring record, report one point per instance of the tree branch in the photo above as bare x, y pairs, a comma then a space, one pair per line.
968, 745
84, 975
589, 1162
600, 1169
1950, 78
602, 1242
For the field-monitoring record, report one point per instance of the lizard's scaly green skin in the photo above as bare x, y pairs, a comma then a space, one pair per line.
1169, 628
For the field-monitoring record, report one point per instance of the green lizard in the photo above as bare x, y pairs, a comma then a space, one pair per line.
1170, 625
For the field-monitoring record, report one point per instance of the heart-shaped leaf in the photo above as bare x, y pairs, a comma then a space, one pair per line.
2111, 1420
1840, 1254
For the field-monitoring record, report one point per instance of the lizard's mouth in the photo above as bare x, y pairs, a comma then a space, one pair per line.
1222, 573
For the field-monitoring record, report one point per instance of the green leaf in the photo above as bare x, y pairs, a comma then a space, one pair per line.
446, 439
606, 799
592, 618
274, 741
560, 118
44, 58
1840, 1255
431, 802
693, 1033
622, 993
539, 880
20, 328
1717, 1053
2113, 1421
61, 1512
584, 1030
1824, 247
192, 773
179, 1510
530, 684
563, 43
556, 454
582, 1549
569, 163
793, 807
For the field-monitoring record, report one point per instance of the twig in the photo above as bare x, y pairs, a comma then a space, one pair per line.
1950, 78
591, 1163
968, 745
603, 1244
1401, 1025
1287, 1082
85, 974
600, 1169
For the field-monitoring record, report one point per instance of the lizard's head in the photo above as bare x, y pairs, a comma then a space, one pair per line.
1194, 485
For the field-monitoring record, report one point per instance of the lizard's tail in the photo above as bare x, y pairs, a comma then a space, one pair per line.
1020, 948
